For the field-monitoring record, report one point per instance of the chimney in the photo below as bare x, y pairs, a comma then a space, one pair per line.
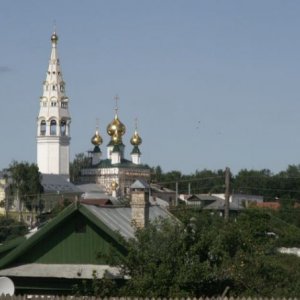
139, 204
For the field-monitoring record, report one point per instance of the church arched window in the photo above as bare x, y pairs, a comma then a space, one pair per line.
53, 127
43, 127
63, 127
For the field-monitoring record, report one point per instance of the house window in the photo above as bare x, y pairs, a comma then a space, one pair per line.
53, 87
43, 127
53, 127
80, 226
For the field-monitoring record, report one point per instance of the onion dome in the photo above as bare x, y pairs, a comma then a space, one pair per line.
96, 140
54, 37
116, 139
114, 185
136, 140
116, 127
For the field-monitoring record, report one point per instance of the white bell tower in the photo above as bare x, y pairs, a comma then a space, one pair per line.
53, 122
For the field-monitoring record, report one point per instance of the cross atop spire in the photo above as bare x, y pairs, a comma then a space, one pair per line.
135, 123
97, 123
116, 98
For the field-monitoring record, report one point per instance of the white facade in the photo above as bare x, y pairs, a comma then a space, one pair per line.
53, 122
136, 158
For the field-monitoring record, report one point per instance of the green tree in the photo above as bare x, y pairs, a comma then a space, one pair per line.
253, 182
203, 256
80, 162
10, 228
26, 183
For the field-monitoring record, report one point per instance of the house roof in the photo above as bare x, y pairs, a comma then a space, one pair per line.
91, 187
119, 218
271, 205
97, 202
53, 183
140, 184
125, 163
202, 197
219, 204
70, 271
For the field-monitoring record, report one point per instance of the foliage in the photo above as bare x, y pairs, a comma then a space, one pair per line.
60, 207
10, 229
80, 162
284, 185
104, 287
205, 181
203, 256
26, 183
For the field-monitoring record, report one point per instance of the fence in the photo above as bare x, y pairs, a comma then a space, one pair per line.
27, 297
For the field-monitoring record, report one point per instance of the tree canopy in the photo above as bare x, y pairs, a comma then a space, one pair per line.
204, 256
25, 183
80, 162
10, 229
284, 185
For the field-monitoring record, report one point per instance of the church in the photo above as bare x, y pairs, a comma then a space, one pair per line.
115, 173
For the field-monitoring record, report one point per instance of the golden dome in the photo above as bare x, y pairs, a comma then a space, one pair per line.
136, 139
116, 127
116, 138
96, 139
114, 185
54, 37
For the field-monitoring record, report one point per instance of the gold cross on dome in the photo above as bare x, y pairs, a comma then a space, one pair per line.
135, 123
97, 123
116, 99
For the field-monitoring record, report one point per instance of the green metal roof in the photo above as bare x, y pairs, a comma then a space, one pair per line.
97, 149
116, 148
135, 150
111, 143
106, 163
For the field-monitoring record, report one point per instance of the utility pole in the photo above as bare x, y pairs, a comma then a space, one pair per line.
227, 193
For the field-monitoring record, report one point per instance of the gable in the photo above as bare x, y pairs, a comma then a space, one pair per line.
73, 237
76, 241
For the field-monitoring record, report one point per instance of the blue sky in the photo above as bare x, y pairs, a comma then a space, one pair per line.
212, 83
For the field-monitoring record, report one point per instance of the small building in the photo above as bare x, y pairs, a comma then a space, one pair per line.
200, 200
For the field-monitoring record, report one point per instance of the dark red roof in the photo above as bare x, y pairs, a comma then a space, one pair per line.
272, 205
98, 202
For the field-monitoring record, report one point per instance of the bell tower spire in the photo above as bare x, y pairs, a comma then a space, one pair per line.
53, 122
